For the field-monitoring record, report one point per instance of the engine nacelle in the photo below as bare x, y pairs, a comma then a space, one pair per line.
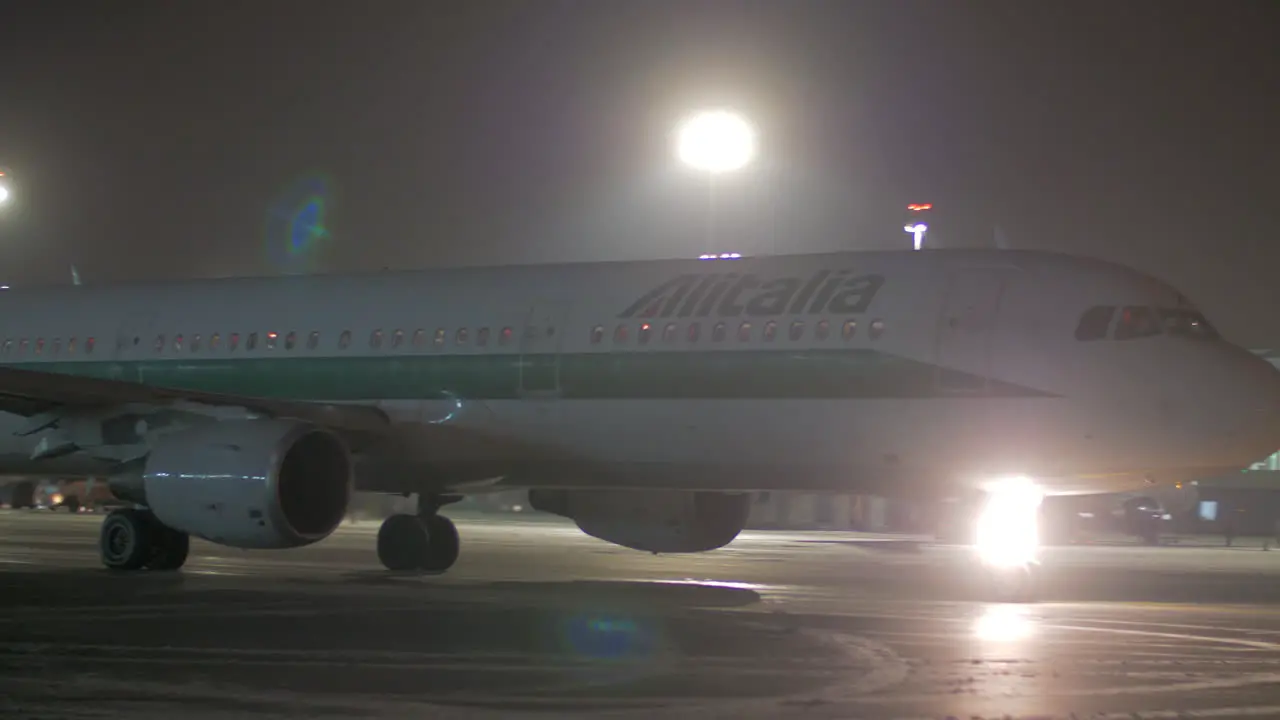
248, 483
659, 521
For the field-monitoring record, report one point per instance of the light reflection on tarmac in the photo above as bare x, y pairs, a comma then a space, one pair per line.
538, 620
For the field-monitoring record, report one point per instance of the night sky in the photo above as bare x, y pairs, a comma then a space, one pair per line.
157, 139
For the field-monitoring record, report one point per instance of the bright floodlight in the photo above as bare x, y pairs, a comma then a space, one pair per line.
4, 194
1008, 528
716, 141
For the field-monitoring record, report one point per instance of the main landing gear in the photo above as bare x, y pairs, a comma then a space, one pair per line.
425, 542
133, 539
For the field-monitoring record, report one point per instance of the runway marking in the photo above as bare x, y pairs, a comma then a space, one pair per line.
1257, 644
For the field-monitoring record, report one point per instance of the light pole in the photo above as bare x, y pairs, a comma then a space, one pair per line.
715, 142
917, 227
918, 230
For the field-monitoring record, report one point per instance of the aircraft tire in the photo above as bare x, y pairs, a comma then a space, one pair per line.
443, 544
125, 541
402, 543
24, 495
169, 548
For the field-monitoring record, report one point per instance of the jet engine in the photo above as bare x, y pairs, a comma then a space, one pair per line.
246, 483
652, 521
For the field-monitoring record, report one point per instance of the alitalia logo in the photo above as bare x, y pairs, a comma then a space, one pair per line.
837, 292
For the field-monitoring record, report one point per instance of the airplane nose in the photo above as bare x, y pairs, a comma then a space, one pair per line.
1259, 388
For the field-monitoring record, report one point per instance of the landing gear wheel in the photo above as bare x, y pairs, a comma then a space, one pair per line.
442, 544
125, 541
402, 542
24, 495
169, 548
413, 542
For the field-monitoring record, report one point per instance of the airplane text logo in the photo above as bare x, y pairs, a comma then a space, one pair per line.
734, 294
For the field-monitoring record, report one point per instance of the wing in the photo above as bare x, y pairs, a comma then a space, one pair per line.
34, 393
396, 455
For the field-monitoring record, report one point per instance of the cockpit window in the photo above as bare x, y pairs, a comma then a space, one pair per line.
1187, 323
1137, 321
1095, 322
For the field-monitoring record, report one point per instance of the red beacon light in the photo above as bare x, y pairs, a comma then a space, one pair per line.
920, 207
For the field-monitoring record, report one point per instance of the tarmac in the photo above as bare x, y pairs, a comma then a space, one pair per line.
537, 620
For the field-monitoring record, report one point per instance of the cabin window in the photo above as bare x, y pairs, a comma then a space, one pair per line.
620, 335
1095, 322
669, 333
460, 337
214, 341
251, 342
439, 339
849, 329
88, 345
177, 342
597, 334
344, 340
160, 343
797, 330
313, 340
195, 343
482, 337
1137, 322
770, 331
822, 330
419, 337
397, 338
233, 341
39, 346
646, 330
71, 345
272, 337
291, 340
56, 347
505, 337
375, 339
22, 346
744, 331
8, 346
876, 329
718, 332
1187, 323
694, 332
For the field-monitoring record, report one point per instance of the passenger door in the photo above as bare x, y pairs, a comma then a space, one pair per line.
540, 345
968, 322
134, 343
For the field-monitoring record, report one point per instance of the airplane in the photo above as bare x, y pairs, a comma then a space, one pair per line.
644, 400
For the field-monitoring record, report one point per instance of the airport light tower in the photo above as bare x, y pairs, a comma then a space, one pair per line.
916, 224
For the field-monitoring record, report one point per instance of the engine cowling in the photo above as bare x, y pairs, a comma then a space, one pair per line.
652, 521
248, 483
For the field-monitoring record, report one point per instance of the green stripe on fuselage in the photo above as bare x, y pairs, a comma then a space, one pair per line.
742, 374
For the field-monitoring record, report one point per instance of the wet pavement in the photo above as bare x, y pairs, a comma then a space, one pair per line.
537, 620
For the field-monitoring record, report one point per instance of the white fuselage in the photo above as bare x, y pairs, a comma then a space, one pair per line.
958, 365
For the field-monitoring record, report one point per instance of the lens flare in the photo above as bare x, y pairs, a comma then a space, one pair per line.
296, 225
